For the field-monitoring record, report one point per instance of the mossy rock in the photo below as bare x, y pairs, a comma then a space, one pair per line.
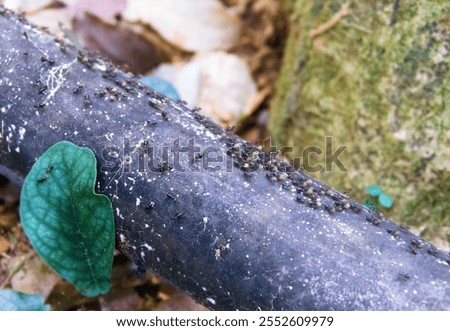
378, 82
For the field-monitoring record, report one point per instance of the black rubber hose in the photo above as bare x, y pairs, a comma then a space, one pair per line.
194, 203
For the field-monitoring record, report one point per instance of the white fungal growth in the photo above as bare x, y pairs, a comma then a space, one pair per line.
100, 67
22, 133
211, 300
150, 248
122, 238
56, 79
119, 214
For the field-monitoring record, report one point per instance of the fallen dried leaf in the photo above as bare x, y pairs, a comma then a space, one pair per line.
124, 47
105, 10
33, 276
4, 245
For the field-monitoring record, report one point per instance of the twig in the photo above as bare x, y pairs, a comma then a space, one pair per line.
332, 22
17, 268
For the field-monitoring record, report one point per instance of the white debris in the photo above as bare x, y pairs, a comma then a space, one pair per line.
219, 83
194, 25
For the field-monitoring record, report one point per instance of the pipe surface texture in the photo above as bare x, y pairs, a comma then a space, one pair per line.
194, 203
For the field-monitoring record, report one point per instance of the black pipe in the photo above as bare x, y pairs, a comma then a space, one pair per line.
211, 213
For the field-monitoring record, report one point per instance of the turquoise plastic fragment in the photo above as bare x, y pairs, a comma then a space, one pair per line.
17, 301
161, 85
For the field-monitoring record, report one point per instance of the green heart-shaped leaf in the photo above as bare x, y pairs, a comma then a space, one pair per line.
69, 225
385, 200
374, 190
17, 301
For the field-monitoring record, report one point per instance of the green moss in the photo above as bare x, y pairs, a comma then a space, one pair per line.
378, 82
432, 205
289, 4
